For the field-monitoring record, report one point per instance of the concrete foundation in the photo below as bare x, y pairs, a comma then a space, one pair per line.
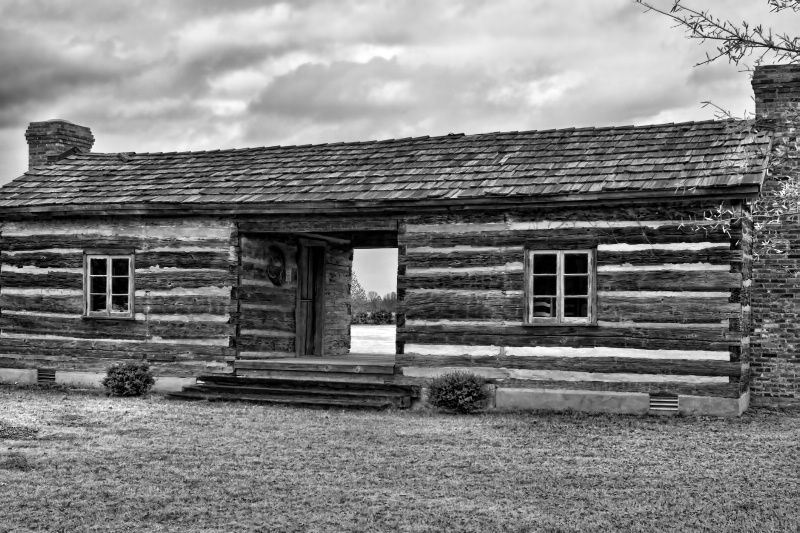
712, 406
562, 400
93, 380
85, 380
170, 384
18, 376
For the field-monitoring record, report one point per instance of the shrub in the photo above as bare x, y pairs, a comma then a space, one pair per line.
463, 392
128, 379
377, 318
382, 316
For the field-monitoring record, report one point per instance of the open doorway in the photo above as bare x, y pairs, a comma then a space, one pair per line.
373, 294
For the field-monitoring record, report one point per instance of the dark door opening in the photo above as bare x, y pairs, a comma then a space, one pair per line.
310, 299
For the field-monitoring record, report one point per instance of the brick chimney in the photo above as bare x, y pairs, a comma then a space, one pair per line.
777, 94
775, 289
51, 138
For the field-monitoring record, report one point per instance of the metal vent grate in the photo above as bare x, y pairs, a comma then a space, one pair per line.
46, 375
663, 403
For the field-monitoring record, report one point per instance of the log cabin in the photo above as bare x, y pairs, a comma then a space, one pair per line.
573, 268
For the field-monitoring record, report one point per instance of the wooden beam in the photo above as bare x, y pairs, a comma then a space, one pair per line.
609, 365
384, 207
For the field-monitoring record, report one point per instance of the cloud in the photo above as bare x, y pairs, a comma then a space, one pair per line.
147, 75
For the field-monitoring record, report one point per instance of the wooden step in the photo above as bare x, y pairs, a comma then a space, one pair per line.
292, 400
227, 379
310, 365
386, 396
315, 376
289, 391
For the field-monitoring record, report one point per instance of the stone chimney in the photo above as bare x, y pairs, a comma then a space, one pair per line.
775, 288
49, 139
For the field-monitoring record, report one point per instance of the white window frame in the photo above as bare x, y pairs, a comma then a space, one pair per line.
108, 313
531, 320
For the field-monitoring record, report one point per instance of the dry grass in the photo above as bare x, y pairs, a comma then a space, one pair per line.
73, 461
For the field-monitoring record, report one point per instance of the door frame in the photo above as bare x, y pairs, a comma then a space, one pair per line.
319, 302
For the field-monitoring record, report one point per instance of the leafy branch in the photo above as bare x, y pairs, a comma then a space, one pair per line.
735, 41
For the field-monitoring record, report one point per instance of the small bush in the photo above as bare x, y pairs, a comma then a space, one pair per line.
463, 392
128, 379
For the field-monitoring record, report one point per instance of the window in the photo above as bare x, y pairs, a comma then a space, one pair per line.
108, 285
559, 287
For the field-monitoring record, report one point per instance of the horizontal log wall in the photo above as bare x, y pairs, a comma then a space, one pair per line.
185, 270
267, 310
667, 308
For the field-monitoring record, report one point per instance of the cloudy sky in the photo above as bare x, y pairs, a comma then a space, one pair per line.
205, 74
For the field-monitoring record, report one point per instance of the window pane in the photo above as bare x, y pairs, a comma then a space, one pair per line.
576, 307
97, 284
545, 307
98, 266
119, 267
576, 285
97, 302
119, 285
119, 304
544, 263
544, 285
576, 263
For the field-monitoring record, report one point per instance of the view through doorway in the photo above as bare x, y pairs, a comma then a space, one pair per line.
375, 305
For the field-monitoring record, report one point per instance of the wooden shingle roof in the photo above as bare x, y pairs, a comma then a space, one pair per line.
696, 158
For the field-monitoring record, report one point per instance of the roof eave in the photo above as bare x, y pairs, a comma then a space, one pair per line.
490, 202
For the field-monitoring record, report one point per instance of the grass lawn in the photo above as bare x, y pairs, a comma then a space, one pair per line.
74, 461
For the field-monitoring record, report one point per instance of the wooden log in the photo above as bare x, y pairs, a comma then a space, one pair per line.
463, 259
506, 281
582, 237
87, 241
147, 352
73, 347
453, 305
627, 365
51, 280
268, 295
611, 308
184, 305
183, 279
714, 256
190, 330
264, 343
677, 212
668, 281
574, 336
268, 320
211, 259
318, 224
42, 260
50, 303
110, 328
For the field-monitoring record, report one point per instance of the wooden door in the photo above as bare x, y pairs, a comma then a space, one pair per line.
310, 299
